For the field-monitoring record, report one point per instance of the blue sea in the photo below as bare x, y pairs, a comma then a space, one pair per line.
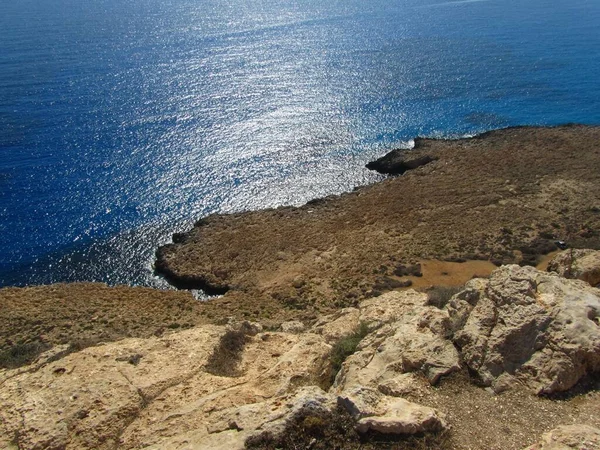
124, 121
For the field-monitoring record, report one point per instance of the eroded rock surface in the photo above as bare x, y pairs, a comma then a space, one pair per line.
409, 336
159, 393
384, 414
583, 264
527, 326
520, 326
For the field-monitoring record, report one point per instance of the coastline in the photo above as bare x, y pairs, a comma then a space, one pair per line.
299, 281
503, 197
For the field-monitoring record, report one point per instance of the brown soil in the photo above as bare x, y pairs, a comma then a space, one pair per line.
447, 273
35, 318
502, 197
512, 420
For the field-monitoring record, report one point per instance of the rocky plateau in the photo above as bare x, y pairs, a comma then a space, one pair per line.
521, 332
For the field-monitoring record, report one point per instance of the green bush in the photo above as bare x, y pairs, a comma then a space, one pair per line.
345, 347
438, 296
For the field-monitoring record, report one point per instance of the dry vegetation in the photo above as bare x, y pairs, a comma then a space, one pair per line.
226, 357
336, 432
505, 196
34, 319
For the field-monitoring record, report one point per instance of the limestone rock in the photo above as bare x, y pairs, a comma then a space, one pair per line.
292, 326
335, 326
568, 437
404, 384
527, 326
307, 401
583, 264
384, 414
156, 392
410, 338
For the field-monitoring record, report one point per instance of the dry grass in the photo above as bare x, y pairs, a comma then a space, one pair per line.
33, 319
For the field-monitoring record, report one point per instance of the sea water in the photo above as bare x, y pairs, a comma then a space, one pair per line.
123, 121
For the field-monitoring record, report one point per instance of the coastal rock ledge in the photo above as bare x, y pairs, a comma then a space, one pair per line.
504, 197
235, 386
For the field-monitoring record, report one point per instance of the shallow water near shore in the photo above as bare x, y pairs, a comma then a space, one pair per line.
123, 122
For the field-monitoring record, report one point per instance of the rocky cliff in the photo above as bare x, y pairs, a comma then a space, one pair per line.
503, 197
414, 369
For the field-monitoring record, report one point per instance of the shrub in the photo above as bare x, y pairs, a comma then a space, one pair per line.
336, 430
438, 296
21, 354
226, 356
345, 347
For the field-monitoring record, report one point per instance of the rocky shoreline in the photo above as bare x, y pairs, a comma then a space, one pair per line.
503, 197
318, 339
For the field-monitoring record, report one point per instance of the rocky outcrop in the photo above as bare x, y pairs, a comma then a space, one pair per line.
409, 337
398, 161
162, 392
220, 387
527, 326
567, 437
389, 415
582, 264
156, 391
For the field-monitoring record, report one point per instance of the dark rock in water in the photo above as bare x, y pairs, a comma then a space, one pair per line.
397, 162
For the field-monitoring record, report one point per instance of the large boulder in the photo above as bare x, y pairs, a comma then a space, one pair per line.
583, 264
569, 437
527, 326
384, 414
409, 336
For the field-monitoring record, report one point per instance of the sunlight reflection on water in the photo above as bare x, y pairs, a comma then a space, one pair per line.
123, 122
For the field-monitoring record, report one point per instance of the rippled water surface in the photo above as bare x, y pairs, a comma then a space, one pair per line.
123, 121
